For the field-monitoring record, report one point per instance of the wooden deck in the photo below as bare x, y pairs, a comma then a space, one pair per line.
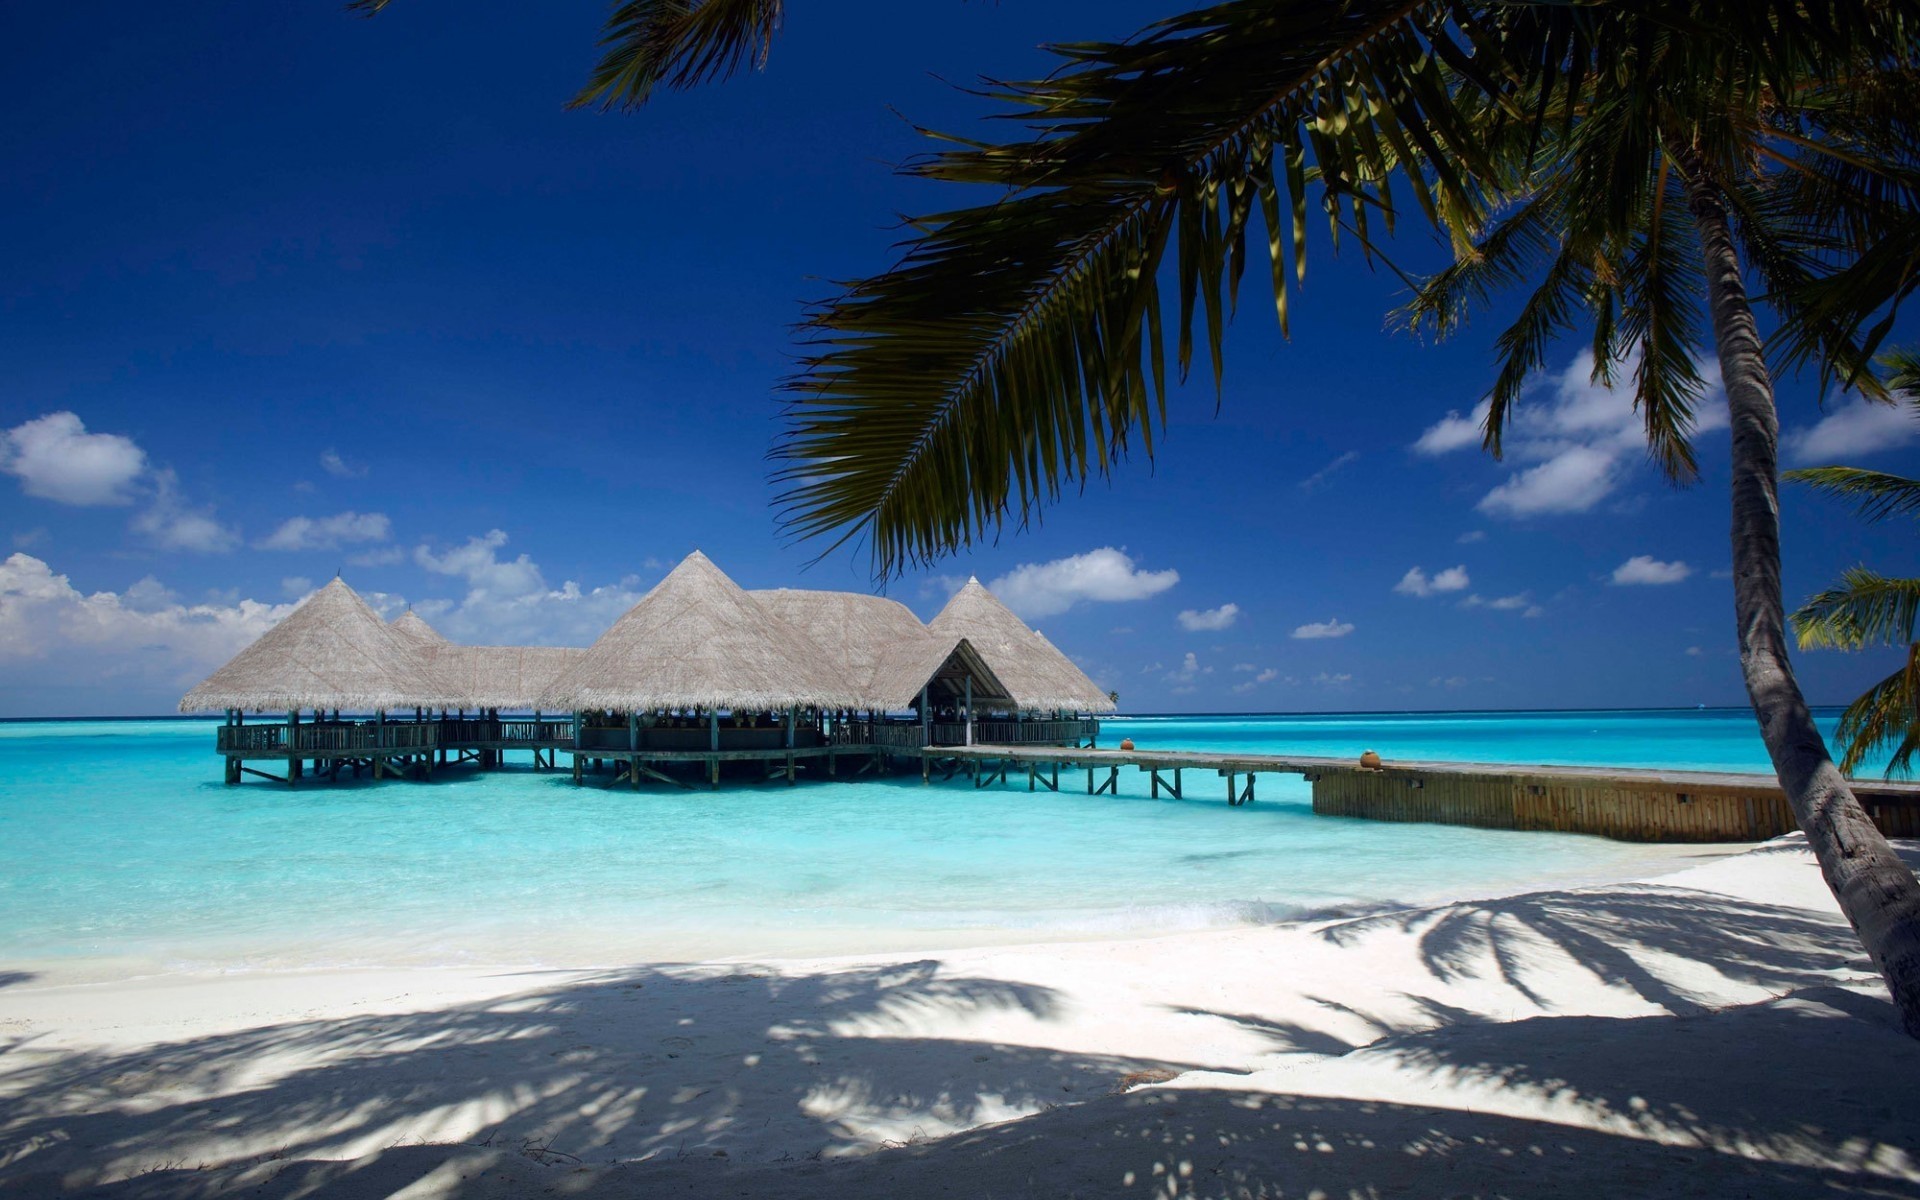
1626, 803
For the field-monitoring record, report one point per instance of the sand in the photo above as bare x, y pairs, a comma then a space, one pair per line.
1715, 1032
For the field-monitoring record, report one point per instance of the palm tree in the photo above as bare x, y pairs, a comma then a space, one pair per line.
1871, 609
1636, 156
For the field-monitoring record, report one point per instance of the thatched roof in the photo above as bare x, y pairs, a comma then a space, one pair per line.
695, 641
415, 629
882, 648
510, 677
333, 651
698, 640
1036, 674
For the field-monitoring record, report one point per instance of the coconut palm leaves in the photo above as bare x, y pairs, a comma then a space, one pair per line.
1777, 130
1871, 609
1019, 346
677, 43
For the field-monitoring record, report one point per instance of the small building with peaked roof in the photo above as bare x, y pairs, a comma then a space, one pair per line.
331, 652
698, 640
1035, 673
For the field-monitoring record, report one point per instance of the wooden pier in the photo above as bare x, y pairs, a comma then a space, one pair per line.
1624, 803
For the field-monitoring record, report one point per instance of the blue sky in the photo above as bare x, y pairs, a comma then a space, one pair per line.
291, 293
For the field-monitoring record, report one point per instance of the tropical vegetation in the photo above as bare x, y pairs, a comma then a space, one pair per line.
1868, 609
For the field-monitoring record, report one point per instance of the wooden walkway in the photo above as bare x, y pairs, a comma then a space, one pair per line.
1627, 803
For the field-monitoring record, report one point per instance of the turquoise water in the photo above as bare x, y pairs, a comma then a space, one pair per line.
122, 852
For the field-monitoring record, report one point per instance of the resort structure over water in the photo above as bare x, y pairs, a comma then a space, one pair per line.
700, 670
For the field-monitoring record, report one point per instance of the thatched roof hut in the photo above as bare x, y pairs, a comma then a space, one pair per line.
882, 648
412, 626
698, 641
333, 651
695, 641
1038, 675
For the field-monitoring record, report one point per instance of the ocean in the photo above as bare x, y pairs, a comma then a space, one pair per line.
122, 853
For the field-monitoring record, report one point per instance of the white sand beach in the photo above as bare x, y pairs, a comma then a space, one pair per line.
1712, 1032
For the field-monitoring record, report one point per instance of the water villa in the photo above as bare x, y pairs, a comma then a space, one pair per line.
699, 672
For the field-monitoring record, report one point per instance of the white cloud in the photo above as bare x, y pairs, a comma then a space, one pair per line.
1646, 569
1453, 432
478, 562
1417, 583
1850, 430
1521, 602
137, 650
327, 533
296, 586
1209, 620
508, 602
1695, 652
1573, 480
385, 556
55, 458
1471, 536
1188, 670
1581, 439
27, 539
1325, 473
340, 468
1324, 679
1331, 628
171, 525
1263, 676
1106, 574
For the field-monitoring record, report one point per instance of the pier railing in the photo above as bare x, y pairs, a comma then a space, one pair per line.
891, 735
330, 737
1019, 733
617, 739
542, 732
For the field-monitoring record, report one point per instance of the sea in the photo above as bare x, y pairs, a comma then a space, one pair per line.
123, 854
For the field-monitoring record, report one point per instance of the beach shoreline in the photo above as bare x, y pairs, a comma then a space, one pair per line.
883, 1064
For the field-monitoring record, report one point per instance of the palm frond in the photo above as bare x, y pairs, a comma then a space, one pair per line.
646, 44
1889, 711
1018, 345
1878, 493
1867, 609
679, 44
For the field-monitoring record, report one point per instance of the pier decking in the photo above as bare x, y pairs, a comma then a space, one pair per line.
1618, 802
1626, 803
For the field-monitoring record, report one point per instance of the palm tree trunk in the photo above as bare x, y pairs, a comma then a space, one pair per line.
1878, 894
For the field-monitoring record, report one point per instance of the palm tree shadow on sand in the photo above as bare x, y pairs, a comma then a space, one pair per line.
1809, 1093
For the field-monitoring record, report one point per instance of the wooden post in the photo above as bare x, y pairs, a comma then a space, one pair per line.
576, 746
926, 719
967, 714
713, 738
293, 746
379, 740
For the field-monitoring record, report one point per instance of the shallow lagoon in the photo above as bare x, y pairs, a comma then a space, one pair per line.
121, 852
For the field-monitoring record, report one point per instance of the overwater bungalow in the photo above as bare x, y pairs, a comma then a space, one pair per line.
700, 671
